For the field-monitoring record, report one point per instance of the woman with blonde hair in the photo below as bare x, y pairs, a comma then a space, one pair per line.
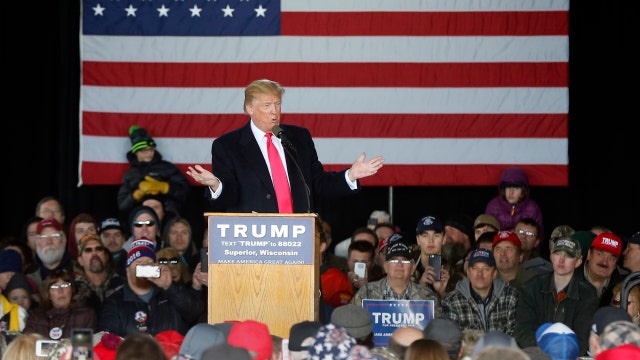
633, 305
23, 347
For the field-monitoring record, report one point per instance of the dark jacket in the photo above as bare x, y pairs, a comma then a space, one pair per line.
537, 305
508, 215
76, 315
124, 312
607, 292
246, 182
159, 169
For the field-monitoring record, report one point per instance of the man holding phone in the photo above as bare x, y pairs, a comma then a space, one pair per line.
430, 270
150, 302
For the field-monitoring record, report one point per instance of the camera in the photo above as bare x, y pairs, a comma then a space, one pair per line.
147, 271
43, 347
360, 269
435, 261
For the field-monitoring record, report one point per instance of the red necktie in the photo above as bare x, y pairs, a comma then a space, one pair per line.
280, 182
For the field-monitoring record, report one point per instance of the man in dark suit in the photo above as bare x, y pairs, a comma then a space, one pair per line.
243, 182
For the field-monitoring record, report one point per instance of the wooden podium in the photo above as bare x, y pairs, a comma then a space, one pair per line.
263, 267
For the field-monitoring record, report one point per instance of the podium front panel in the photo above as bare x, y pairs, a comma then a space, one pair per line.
263, 267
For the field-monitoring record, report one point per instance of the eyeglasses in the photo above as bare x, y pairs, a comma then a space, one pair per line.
88, 250
52, 237
165, 261
64, 285
398, 261
140, 224
527, 233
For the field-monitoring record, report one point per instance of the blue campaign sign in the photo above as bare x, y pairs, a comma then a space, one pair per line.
261, 240
388, 315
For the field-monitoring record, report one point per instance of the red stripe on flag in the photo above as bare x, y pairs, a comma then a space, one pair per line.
177, 75
464, 23
340, 125
399, 175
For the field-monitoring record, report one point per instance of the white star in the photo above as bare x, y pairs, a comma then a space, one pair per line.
98, 10
195, 11
163, 11
131, 11
260, 11
228, 11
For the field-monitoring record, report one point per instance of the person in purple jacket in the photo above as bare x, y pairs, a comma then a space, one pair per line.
514, 200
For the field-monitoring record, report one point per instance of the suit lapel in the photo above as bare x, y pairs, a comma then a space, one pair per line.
251, 153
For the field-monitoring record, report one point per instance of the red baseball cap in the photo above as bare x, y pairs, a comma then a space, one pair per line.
608, 242
509, 236
48, 222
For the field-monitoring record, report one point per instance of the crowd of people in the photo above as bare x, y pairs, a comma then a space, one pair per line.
140, 288
489, 281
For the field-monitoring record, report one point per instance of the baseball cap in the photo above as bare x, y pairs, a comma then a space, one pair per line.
253, 336
568, 245
635, 238
301, 331
608, 242
398, 248
483, 255
48, 222
509, 236
85, 239
429, 223
110, 223
606, 315
486, 219
383, 243
558, 341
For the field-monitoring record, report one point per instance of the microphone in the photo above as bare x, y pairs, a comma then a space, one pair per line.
291, 150
279, 133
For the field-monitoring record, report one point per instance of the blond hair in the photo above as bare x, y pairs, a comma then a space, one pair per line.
262, 86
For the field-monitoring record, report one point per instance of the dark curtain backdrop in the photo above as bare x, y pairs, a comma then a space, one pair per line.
40, 137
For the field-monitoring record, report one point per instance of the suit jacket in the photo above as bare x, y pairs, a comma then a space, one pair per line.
247, 185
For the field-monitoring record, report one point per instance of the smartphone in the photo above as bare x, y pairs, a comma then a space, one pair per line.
435, 261
204, 259
82, 343
43, 347
360, 269
147, 271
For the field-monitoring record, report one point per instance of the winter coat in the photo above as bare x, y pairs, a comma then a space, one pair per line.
77, 315
538, 305
507, 214
125, 312
159, 169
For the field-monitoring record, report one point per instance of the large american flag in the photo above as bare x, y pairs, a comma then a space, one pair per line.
450, 92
